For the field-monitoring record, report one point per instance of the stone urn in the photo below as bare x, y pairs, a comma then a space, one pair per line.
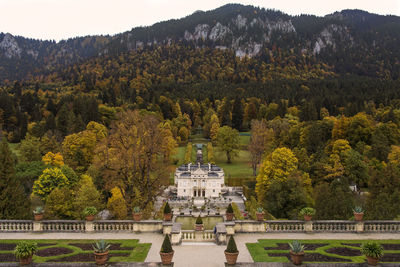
38, 216
231, 258
307, 218
166, 258
260, 216
199, 227
297, 258
167, 216
101, 258
89, 218
229, 216
137, 216
358, 216
25, 261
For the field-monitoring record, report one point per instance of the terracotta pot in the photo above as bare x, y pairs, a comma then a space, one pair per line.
90, 218
199, 227
38, 217
101, 258
166, 258
297, 258
137, 216
372, 261
167, 216
229, 216
358, 216
260, 216
25, 261
231, 258
307, 217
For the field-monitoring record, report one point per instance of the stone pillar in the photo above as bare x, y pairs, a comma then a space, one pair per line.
89, 227
220, 234
230, 228
308, 226
167, 228
37, 226
176, 234
360, 226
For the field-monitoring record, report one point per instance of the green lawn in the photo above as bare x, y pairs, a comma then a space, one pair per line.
240, 166
79, 250
263, 250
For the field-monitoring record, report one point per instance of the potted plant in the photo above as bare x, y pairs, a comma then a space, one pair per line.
167, 212
137, 215
89, 213
296, 252
199, 224
231, 251
358, 213
307, 213
229, 213
166, 252
24, 252
38, 213
260, 214
100, 250
373, 251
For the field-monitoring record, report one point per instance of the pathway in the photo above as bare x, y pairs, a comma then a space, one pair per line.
198, 254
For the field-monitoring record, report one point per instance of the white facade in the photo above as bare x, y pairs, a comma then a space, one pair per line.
195, 180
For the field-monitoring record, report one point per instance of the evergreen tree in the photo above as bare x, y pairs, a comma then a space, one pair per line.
14, 203
237, 114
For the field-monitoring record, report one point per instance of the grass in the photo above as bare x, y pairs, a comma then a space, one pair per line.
137, 254
259, 254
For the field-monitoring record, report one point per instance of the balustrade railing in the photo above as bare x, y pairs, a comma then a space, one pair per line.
16, 226
197, 236
103, 226
382, 226
63, 226
334, 226
284, 226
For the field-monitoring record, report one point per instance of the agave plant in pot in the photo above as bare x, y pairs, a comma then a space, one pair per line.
167, 212
137, 215
373, 251
89, 213
101, 250
358, 212
307, 213
166, 252
296, 252
199, 224
38, 213
229, 213
260, 214
231, 251
24, 252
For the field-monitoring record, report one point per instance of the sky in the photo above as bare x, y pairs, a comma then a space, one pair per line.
62, 19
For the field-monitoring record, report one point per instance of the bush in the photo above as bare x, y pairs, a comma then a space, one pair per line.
25, 249
231, 248
358, 209
372, 249
38, 210
307, 211
89, 211
199, 220
296, 246
136, 209
167, 209
166, 245
237, 212
101, 246
229, 209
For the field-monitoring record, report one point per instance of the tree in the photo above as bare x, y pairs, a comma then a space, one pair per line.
55, 160
130, 157
228, 142
210, 153
50, 179
261, 141
30, 149
13, 201
86, 196
117, 205
28, 172
237, 114
59, 204
188, 153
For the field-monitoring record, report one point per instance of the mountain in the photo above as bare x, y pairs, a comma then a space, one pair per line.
351, 41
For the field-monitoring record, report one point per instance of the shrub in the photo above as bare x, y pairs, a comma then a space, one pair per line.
89, 211
372, 249
25, 249
166, 245
136, 209
307, 211
237, 212
260, 210
358, 209
229, 209
199, 220
231, 248
296, 246
167, 209
38, 210
101, 246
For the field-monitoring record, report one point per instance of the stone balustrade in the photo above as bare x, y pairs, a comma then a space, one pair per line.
198, 236
16, 226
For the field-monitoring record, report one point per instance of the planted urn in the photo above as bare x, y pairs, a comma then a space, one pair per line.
373, 251
307, 213
38, 213
89, 213
358, 212
260, 214
296, 252
166, 252
137, 215
167, 212
229, 213
231, 252
101, 250
24, 252
199, 224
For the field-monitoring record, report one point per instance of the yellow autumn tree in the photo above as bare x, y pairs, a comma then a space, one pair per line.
117, 205
86, 196
52, 159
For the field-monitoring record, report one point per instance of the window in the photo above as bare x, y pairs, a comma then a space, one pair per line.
184, 190
213, 190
